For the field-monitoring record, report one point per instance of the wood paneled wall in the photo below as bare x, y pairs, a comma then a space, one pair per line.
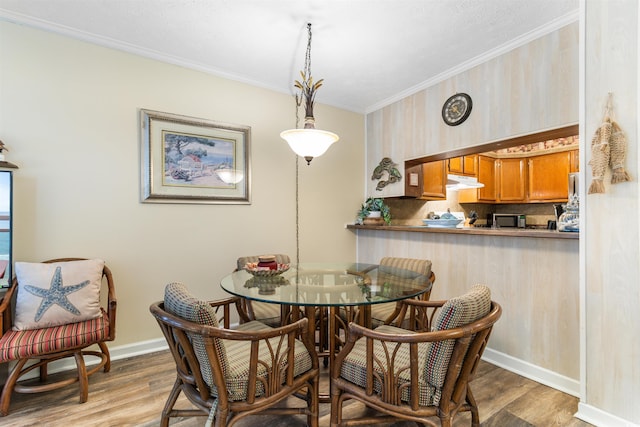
531, 88
611, 251
535, 281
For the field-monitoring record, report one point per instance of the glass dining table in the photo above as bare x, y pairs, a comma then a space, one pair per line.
329, 294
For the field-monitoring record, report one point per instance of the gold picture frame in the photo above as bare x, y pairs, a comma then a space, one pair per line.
192, 160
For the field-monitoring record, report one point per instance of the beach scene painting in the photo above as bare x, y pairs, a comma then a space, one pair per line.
193, 160
5, 228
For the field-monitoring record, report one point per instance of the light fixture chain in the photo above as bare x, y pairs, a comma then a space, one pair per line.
307, 58
297, 216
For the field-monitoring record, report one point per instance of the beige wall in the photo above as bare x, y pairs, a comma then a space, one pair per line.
69, 115
611, 255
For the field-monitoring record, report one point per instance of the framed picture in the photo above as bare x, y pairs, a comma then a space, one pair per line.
190, 160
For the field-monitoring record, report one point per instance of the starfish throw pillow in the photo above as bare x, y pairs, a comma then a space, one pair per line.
57, 293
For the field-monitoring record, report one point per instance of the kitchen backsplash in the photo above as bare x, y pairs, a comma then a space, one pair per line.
413, 211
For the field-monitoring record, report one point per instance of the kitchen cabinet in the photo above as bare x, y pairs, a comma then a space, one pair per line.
575, 161
464, 165
503, 179
427, 181
511, 180
486, 173
535, 179
549, 176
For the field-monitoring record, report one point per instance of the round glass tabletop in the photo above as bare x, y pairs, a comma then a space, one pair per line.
329, 284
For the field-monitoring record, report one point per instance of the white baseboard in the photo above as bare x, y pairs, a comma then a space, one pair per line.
533, 372
598, 417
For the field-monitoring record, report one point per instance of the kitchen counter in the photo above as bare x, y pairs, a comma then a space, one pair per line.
507, 232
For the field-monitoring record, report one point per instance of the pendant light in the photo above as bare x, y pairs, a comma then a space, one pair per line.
308, 142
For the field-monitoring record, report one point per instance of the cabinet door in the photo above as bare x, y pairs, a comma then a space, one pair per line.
511, 175
487, 176
434, 180
456, 165
463, 165
575, 161
549, 177
413, 181
469, 165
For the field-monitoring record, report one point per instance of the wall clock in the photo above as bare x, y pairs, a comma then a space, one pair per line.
456, 109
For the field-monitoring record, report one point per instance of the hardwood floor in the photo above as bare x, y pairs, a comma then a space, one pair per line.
135, 390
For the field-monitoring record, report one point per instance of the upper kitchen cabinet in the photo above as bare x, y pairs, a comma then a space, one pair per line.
575, 161
548, 176
486, 175
528, 169
503, 179
506, 103
511, 180
427, 181
464, 165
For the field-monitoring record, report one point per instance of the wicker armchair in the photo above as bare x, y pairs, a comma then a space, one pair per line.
231, 374
44, 345
416, 375
384, 314
269, 314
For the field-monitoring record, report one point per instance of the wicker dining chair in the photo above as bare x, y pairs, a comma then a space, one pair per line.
62, 326
269, 314
416, 375
229, 374
384, 314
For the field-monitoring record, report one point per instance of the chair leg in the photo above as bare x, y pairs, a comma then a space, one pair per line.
105, 351
7, 390
473, 407
44, 374
83, 381
171, 400
313, 401
336, 409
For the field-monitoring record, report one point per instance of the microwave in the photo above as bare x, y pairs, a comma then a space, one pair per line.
506, 220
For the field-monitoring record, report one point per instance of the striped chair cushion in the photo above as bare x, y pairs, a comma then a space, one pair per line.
29, 343
434, 357
269, 314
401, 270
237, 376
456, 312
354, 366
235, 363
179, 302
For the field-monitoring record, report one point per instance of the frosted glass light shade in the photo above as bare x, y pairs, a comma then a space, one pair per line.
230, 176
309, 143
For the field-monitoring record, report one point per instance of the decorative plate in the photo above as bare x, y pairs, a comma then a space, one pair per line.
442, 223
252, 267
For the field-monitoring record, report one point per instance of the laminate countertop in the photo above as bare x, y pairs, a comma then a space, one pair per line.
507, 232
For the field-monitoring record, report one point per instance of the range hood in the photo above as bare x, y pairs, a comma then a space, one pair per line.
461, 182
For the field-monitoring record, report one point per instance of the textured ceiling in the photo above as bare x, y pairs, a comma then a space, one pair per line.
368, 52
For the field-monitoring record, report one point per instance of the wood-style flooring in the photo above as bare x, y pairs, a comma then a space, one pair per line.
135, 390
